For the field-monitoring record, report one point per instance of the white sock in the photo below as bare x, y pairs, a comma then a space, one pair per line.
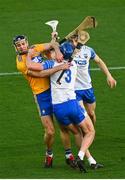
81, 155
91, 160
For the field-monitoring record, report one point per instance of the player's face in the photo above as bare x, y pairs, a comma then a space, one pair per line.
22, 46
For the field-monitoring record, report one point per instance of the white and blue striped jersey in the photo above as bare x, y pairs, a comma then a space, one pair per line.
82, 58
65, 91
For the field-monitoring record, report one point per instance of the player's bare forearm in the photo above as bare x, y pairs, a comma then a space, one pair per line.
110, 80
102, 66
34, 66
48, 72
38, 74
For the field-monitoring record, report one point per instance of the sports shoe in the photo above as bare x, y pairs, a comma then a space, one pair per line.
71, 161
96, 166
48, 161
80, 164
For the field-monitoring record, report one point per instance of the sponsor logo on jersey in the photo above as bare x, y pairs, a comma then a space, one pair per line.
80, 62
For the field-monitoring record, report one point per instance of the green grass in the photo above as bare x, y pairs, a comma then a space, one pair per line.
21, 134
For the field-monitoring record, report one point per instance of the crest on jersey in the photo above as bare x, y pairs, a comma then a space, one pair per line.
43, 111
86, 56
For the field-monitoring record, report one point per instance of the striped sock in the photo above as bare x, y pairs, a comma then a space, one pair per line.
68, 153
49, 152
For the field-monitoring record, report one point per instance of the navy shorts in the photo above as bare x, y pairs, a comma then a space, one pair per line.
86, 96
69, 112
44, 103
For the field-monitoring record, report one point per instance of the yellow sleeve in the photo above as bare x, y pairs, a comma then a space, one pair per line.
39, 47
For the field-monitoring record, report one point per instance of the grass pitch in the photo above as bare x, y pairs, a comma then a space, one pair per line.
21, 134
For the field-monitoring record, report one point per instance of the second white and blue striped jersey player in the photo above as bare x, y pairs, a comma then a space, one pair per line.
64, 91
82, 58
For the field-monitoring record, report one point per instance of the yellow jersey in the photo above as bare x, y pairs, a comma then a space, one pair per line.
38, 85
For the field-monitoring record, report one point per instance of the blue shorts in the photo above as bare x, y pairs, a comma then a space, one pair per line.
86, 96
44, 103
69, 112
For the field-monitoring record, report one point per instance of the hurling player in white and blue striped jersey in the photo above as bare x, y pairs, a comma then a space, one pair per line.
67, 109
83, 86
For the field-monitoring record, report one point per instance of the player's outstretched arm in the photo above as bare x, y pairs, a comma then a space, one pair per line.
110, 80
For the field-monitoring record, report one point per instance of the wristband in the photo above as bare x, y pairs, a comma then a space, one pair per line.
48, 64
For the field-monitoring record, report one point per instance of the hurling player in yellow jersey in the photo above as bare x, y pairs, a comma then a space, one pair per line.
40, 86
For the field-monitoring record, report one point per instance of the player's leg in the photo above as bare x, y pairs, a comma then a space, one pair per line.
48, 125
92, 162
90, 108
62, 116
65, 136
89, 133
88, 155
88, 129
76, 114
79, 117
87, 99
49, 129
43, 101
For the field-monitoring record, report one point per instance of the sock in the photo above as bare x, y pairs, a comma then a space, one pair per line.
49, 153
68, 153
91, 160
81, 155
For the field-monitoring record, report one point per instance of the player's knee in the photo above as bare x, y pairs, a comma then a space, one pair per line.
50, 132
91, 133
90, 130
92, 115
